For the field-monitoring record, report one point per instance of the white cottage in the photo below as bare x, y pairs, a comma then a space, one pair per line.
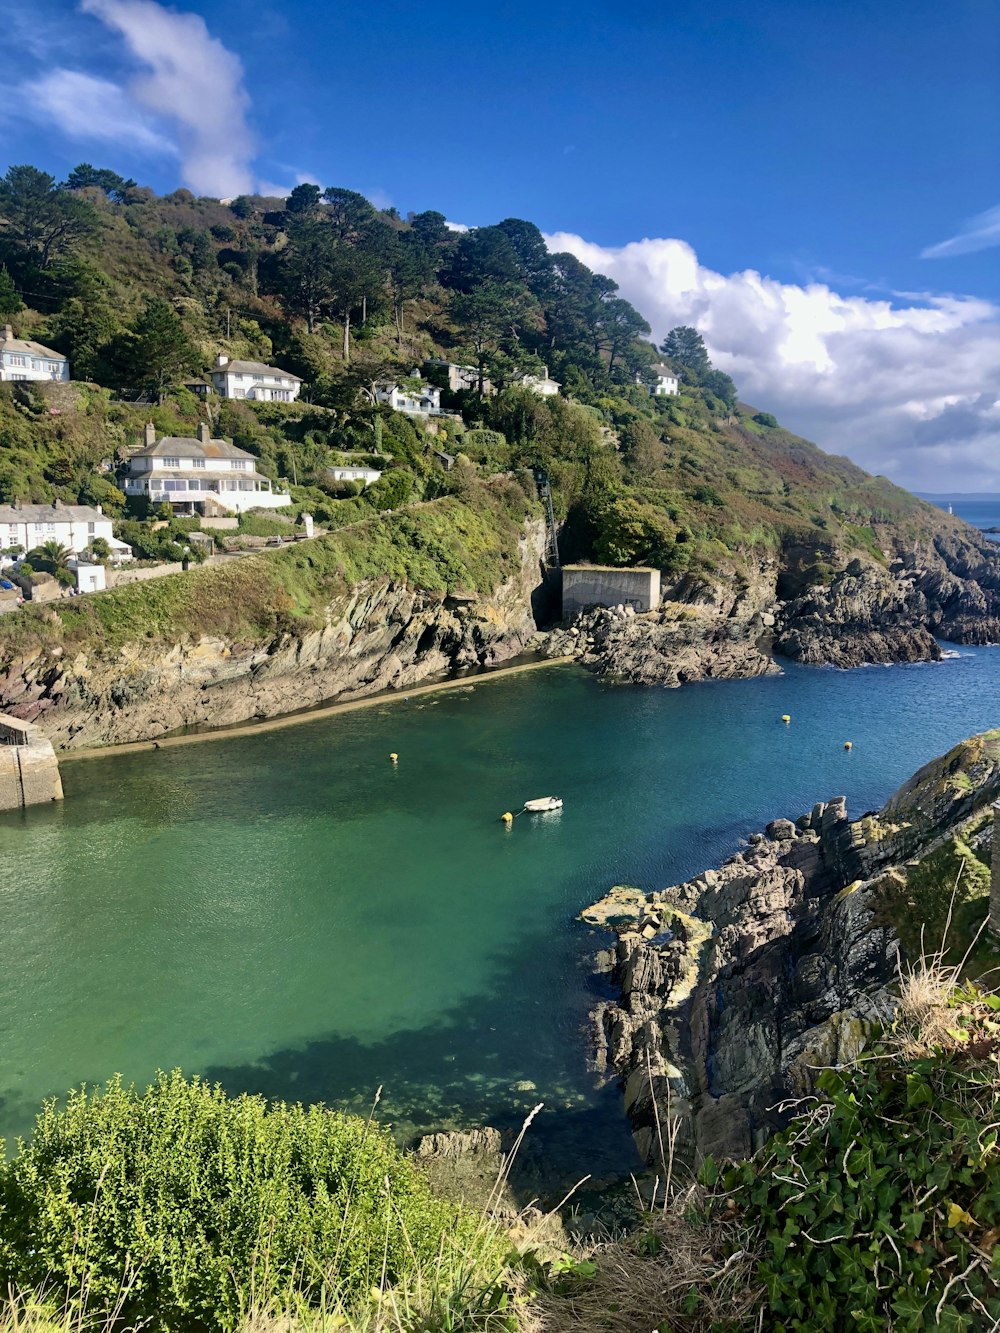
541, 384
665, 382
346, 472
23, 359
75, 527
422, 400
200, 476
254, 381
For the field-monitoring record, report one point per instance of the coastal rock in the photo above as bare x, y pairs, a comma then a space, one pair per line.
380, 636
777, 963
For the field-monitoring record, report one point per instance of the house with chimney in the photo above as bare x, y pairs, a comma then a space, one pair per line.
541, 384
24, 359
665, 382
202, 475
416, 397
23, 527
254, 381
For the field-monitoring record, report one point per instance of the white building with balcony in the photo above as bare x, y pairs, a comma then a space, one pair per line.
22, 359
254, 381
75, 527
419, 399
200, 476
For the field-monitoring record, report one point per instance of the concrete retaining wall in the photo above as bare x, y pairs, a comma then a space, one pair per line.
29, 770
605, 585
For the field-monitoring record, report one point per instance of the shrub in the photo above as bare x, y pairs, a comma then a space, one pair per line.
196, 1205
766, 419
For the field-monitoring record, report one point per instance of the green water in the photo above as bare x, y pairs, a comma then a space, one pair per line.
289, 913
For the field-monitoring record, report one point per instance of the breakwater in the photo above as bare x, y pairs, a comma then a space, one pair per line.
29, 770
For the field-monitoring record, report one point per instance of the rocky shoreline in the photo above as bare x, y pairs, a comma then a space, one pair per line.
734, 987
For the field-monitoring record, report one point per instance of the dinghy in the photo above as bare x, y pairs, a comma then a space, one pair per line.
542, 804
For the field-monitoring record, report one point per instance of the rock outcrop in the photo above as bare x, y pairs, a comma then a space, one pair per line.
379, 636
735, 986
804, 607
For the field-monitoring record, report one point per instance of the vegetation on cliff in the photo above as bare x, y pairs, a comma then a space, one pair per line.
348, 297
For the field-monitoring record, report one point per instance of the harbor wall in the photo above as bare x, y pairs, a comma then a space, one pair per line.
29, 770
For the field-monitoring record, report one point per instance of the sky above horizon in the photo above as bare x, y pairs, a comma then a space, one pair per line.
817, 188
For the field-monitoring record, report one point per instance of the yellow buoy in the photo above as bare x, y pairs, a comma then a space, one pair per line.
507, 818
394, 758
786, 717
848, 745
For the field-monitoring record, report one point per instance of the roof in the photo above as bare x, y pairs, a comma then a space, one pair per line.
51, 514
184, 446
29, 348
609, 569
253, 368
661, 369
203, 474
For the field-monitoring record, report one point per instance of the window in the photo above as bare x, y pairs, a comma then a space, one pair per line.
171, 462
174, 484
241, 393
258, 379
13, 360
91, 529
197, 462
38, 527
50, 527
241, 464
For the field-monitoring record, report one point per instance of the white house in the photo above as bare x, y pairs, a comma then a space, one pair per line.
541, 384
348, 473
199, 476
23, 527
665, 382
22, 359
254, 381
421, 401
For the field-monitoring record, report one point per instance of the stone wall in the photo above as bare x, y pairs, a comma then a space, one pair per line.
604, 585
29, 770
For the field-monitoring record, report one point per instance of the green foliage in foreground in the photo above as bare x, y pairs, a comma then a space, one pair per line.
190, 1207
881, 1208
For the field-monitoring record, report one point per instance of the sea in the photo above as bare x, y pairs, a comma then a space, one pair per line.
289, 913
981, 510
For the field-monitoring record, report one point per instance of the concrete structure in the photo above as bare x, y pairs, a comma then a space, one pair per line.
254, 381
89, 578
198, 476
995, 874
22, 359
665, 382
348, 473
23, 527
29, 770
606, 585
541, 384
420, 400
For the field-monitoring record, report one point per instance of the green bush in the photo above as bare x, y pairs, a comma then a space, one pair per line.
870, 1206
194, 1205
766, 419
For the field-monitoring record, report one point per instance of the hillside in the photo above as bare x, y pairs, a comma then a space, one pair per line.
762, 539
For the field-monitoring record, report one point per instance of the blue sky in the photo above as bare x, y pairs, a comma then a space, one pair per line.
815, 145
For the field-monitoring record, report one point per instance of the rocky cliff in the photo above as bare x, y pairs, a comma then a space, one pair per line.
814, 604
380, 634
734, 986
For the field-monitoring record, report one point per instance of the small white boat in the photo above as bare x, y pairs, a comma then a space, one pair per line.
542, 804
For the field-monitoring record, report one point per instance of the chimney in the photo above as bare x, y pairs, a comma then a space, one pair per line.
8, 333
222, 360
100, 509
150, 434
204, 434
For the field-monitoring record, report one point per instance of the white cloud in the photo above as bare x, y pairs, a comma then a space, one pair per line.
91, 109
978, 233
904, 386
457, 226
190, 80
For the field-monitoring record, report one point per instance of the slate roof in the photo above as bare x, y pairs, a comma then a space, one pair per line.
27, 347
253, 368
184, 446
51, 514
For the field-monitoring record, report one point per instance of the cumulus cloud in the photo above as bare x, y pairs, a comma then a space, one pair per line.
91, 109
906, 386
978, 233
193, 83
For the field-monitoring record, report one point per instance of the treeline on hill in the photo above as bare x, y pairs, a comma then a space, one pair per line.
142, 291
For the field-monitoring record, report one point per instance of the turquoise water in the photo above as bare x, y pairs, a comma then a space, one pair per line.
289, 913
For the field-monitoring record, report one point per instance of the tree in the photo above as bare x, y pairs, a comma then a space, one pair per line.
100, 549
52, 558
686, 346
305, 271
303, 202
160, 350
490, 318
86, 177
617, 325
10, 302
39, 220
721, 386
